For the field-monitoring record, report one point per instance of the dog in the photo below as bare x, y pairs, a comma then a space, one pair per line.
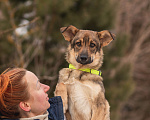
80, 85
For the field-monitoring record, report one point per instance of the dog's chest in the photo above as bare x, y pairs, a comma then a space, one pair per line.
81, 97
82, 86
83, 89
82, 94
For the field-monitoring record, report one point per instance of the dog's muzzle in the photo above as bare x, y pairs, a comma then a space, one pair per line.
84, 59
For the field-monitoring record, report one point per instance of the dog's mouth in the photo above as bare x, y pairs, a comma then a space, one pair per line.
84, 59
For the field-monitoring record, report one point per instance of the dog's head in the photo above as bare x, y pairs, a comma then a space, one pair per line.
85, 48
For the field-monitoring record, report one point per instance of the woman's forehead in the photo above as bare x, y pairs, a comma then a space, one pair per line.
31, 77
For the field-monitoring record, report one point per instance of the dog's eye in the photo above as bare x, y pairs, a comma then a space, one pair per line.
78, 44
92, 45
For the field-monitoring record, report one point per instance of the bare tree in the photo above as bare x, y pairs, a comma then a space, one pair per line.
32, 50
133, 18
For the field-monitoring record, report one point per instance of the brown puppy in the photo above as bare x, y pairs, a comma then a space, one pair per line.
82, 92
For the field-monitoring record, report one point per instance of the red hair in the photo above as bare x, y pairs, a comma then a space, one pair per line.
13, 90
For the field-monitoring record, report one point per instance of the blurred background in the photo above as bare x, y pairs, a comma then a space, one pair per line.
30, 38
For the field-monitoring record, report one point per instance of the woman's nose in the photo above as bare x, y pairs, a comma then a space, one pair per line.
46, 87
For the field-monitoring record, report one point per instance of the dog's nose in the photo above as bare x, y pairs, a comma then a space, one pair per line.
83, 58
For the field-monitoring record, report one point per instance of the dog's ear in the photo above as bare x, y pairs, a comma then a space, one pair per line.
69, 32
105, 37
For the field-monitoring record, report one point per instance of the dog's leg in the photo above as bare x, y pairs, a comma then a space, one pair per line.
61, 90
101, 112
107, 111
68, 116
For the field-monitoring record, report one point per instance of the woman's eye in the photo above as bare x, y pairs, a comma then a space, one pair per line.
39, 85
78, 44
92, 45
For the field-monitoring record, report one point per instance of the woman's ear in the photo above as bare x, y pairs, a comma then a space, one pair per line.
25, 106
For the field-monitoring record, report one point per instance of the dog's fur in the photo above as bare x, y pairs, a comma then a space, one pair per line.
82, 92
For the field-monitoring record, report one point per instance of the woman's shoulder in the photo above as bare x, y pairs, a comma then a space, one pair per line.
56, 108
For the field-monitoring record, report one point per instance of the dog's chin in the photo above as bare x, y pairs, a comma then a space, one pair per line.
92, 64
84, 62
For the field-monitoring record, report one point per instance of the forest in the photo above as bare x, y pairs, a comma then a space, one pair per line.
30, 38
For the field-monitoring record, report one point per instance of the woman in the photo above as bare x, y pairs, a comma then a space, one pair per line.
23, 97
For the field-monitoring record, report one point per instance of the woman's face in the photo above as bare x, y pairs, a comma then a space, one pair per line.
38, 96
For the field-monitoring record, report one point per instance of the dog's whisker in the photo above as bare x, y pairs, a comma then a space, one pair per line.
92, 58
76, 57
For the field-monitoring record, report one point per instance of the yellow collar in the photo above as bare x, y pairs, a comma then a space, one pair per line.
96, 72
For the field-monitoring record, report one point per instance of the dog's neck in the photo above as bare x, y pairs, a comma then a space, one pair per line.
92, 71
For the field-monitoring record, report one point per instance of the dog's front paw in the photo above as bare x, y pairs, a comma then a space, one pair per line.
61, 90
64, 74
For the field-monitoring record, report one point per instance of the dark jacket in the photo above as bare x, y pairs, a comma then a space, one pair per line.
55, 110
